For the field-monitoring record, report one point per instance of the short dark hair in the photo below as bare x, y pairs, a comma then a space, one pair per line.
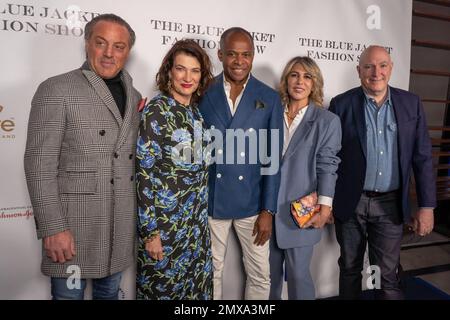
232, 30
191, 48
110, 17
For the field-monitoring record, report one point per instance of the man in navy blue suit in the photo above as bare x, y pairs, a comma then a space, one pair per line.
243, 189
384, 136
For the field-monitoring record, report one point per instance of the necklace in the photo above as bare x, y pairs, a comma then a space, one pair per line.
291, 117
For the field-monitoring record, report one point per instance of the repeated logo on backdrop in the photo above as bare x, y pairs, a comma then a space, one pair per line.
338, 50
25, 211
7, 125
28, 18
207, 37
334, 50
70, 21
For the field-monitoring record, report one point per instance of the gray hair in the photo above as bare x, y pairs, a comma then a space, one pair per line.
110, 17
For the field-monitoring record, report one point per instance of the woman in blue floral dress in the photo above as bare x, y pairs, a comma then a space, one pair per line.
174, 255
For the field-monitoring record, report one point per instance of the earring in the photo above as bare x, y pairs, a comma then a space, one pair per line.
169, 85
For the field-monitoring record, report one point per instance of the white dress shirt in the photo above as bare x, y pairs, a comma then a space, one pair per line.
227, 88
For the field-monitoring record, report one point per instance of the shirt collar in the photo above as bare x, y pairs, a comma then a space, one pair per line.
227, 84
302, 111
371, 100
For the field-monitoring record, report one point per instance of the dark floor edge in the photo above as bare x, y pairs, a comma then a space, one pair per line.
433, 288
427, 270
424, 245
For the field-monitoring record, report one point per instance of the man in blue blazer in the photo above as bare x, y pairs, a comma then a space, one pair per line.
246, 119
312, 138
384, 136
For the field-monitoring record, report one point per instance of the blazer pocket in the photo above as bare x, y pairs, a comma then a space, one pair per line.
80, 180
410, 121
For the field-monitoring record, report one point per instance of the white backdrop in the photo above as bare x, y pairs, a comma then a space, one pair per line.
43, 38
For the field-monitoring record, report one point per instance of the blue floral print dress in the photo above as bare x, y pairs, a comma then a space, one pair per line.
172, 191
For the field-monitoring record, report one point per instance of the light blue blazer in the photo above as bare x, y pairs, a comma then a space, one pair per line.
309, 164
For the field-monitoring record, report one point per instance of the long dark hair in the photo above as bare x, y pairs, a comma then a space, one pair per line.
191, 48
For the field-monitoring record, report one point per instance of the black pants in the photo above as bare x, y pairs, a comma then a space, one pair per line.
376, 223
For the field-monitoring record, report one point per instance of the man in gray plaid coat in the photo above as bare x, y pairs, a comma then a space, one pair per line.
79, 165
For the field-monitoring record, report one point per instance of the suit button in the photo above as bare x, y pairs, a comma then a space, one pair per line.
219, 175
132, 178
112, 181
102, 132
130, 156
241, 178
116, 155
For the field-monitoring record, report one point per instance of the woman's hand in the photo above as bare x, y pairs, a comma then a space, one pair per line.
330, 218
320, 218
154, 247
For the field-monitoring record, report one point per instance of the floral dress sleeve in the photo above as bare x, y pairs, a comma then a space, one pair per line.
152, 131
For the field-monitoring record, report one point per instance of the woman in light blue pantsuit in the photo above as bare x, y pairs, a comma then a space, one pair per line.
312, 138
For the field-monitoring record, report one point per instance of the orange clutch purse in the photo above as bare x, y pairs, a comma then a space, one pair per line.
304, 208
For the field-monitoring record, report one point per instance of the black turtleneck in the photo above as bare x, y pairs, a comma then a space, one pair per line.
116, 88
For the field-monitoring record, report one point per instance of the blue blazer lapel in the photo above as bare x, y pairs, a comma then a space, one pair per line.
401, 116
246, 106
302, 131
219, 101
360, 119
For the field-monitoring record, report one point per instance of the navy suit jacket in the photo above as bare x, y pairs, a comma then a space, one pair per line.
239, 190
414, 151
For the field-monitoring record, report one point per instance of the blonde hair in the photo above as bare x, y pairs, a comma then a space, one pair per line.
312, 68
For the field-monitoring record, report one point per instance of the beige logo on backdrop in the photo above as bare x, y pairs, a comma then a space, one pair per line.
6, 126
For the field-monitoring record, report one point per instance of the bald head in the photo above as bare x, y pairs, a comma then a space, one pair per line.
374, 71
231, 31
236, 54
374, 49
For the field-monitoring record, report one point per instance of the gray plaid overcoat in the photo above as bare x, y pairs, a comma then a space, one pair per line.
79, 166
